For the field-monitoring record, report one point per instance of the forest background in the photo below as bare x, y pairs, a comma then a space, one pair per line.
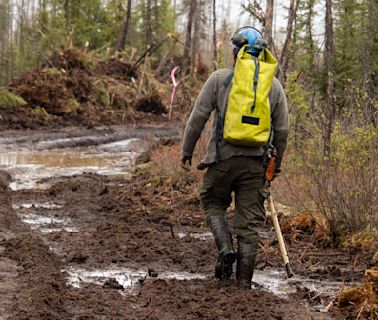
328, 65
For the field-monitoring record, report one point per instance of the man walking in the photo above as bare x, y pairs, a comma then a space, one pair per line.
236, 167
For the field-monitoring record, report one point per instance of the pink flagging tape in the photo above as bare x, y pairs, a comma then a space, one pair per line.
175, 85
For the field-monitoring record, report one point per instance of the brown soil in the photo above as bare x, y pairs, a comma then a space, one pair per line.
136, 226
151, 103
116, 68
36, 278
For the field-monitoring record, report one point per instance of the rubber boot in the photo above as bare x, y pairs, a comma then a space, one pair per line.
245, 264
222, 237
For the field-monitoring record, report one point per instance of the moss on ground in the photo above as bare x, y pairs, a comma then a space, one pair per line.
10, 100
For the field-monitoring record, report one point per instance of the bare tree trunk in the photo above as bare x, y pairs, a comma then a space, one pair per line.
372, 40
188, 38
21, 31
330, 103
156, 16
42, 15
284, 58
125, 28
11, 62
215, 54
196, 36
5, 22
268, 30
68, 13
148, 24
310, 15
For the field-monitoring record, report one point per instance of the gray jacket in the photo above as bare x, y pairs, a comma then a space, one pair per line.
214, 94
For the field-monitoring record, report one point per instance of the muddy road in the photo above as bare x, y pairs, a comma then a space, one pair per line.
83, 235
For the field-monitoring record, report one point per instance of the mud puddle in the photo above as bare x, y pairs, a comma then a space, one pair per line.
276, 282
44, 217
127, 279
270, 280
44, 205
34, 169
48, 225
195, 235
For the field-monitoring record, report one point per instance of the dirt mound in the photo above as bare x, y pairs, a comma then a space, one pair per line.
116, 68
55, 91
35, 258
83, 184
36, 264
68, 59
64, 87
150, 103
67, 90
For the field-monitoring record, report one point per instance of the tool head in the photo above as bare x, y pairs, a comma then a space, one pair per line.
289, 272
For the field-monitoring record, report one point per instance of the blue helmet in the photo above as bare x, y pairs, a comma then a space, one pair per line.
246, 35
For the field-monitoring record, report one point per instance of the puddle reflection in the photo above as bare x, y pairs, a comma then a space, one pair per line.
27, 168
270, 280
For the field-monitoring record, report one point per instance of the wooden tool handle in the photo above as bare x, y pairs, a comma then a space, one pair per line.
280, 239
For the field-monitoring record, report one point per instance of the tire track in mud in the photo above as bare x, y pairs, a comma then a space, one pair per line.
124, 228
35, 277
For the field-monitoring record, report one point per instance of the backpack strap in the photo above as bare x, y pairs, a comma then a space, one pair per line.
218, 133
227, 82
255, 81
219, 125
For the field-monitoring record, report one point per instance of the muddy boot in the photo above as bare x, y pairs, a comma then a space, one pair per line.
222, 237
245, 264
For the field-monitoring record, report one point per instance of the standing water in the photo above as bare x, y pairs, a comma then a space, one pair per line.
33, 169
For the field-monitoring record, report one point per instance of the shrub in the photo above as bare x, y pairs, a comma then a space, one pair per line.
343, 186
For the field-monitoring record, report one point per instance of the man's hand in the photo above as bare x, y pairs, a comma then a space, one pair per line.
186, 162
277, 173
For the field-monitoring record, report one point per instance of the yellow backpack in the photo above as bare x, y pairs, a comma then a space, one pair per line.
247, 120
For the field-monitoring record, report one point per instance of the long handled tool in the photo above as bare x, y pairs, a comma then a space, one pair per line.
269, 176
280, 239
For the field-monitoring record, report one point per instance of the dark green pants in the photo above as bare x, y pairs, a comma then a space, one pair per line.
245, 177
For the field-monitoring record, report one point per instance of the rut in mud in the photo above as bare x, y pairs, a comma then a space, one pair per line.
101, 246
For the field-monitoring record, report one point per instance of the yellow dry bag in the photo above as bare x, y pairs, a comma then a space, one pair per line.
247, 119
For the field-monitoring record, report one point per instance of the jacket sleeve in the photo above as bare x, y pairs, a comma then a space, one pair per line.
204, 105
280, 122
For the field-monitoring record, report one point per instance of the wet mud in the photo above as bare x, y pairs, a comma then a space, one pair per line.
92, 246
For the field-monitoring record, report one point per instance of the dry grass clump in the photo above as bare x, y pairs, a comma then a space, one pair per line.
307, 226
366, 240
302, 222
166, 173
361, 302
